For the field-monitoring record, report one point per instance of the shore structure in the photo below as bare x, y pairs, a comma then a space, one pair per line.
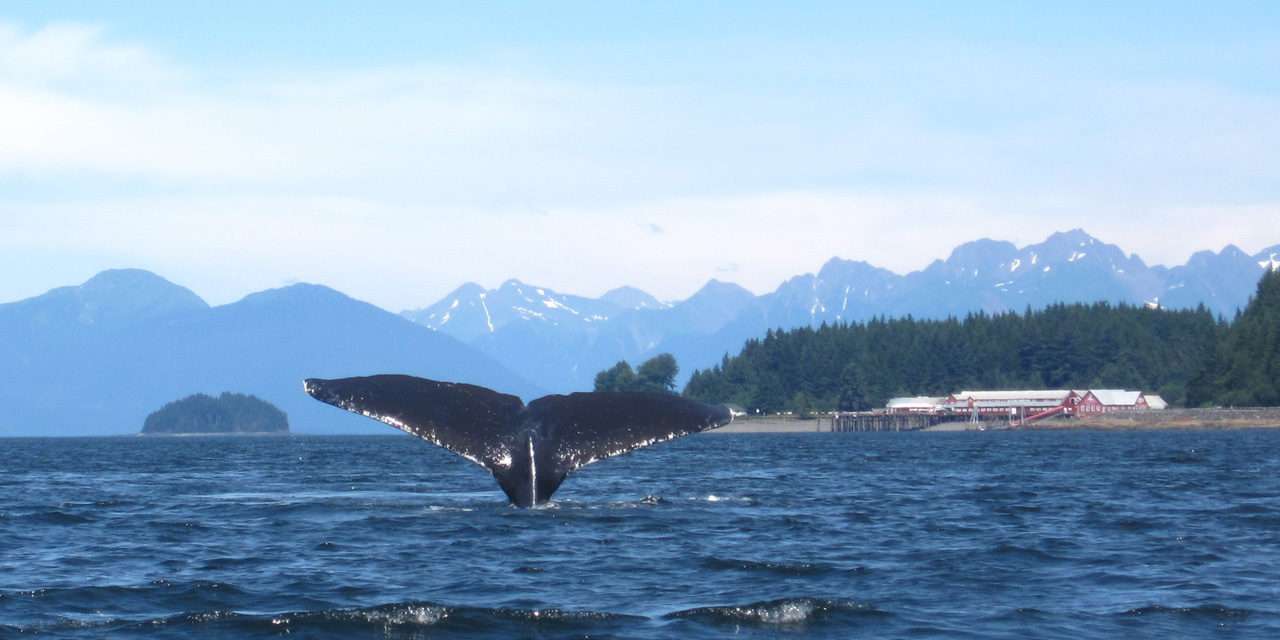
1017, 408
1152, 418
1012, 407
1028, 404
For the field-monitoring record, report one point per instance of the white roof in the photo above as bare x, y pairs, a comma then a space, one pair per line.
1116, 397
1156, 402
914, 402
1044, 394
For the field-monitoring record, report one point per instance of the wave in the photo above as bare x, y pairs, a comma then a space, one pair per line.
107, 591
230, 562
128, 600
432, 613
389, 620
1190, 456
782, 612
1211, 611
782, 568
1028, 553
412, 618
55, 517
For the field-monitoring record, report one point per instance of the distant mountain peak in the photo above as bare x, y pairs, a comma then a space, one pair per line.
1077, 233
471, 311
100, 361
111, 278
719, 287
839, 267
1227, 255
631, 298
297, 294
467, 289
110, 299
1079, 237
298, 289
562, 340
977, 258
136, 287
1233, 251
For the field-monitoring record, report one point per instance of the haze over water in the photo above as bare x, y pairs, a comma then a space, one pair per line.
993, 535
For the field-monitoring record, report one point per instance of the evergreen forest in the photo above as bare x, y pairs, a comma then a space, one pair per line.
1186, 356
1245, 367
655, 374
227, 413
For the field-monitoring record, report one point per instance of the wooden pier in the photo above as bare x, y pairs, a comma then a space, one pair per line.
887, 421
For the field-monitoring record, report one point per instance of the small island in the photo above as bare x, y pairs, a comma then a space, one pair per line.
229, 413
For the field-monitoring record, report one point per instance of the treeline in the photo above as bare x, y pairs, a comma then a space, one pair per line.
655, 374
1187, 357
1245, 367
861, 366
227, 413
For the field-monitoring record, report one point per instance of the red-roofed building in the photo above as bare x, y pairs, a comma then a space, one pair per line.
1108, 400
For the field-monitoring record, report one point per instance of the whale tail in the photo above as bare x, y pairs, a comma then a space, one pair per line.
529, 449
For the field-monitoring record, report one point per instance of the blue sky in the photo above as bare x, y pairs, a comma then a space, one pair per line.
397, 150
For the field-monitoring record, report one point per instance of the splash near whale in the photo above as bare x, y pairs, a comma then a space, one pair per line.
529, 449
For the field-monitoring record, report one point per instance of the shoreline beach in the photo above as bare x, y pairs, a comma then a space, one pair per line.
1243, 418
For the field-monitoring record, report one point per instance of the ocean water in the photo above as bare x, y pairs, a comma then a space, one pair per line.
1069, 534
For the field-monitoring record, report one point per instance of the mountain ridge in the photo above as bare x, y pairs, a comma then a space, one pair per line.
93, 358
981, 275
103, 381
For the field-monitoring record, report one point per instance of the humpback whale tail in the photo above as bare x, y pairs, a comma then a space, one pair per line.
529, 449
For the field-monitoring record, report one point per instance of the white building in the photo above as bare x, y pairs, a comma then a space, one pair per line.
915, 404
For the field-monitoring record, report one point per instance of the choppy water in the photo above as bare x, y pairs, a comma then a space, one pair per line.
980, 535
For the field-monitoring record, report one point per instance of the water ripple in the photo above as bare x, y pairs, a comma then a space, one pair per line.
1071, 535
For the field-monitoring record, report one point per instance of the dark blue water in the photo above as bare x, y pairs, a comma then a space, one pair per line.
979, 535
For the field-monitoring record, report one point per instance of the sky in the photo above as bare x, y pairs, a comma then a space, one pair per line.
397, 150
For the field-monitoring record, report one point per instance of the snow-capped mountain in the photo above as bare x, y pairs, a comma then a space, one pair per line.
566, 339
560, 341
1222, 281
1067, 267
471, 311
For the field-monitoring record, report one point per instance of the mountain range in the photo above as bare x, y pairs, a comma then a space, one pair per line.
96, 358
561, 340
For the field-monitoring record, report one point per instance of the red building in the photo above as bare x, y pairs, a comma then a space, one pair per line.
1108, 400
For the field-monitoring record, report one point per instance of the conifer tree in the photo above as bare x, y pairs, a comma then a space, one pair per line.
860, 366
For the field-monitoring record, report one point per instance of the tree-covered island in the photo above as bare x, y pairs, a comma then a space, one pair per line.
228, 413
657, 374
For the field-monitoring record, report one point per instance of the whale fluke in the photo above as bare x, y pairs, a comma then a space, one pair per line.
529, 449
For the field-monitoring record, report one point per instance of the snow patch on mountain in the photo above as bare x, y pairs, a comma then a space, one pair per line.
561, 340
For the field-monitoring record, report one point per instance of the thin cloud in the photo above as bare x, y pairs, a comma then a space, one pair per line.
70, 54
398, 182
